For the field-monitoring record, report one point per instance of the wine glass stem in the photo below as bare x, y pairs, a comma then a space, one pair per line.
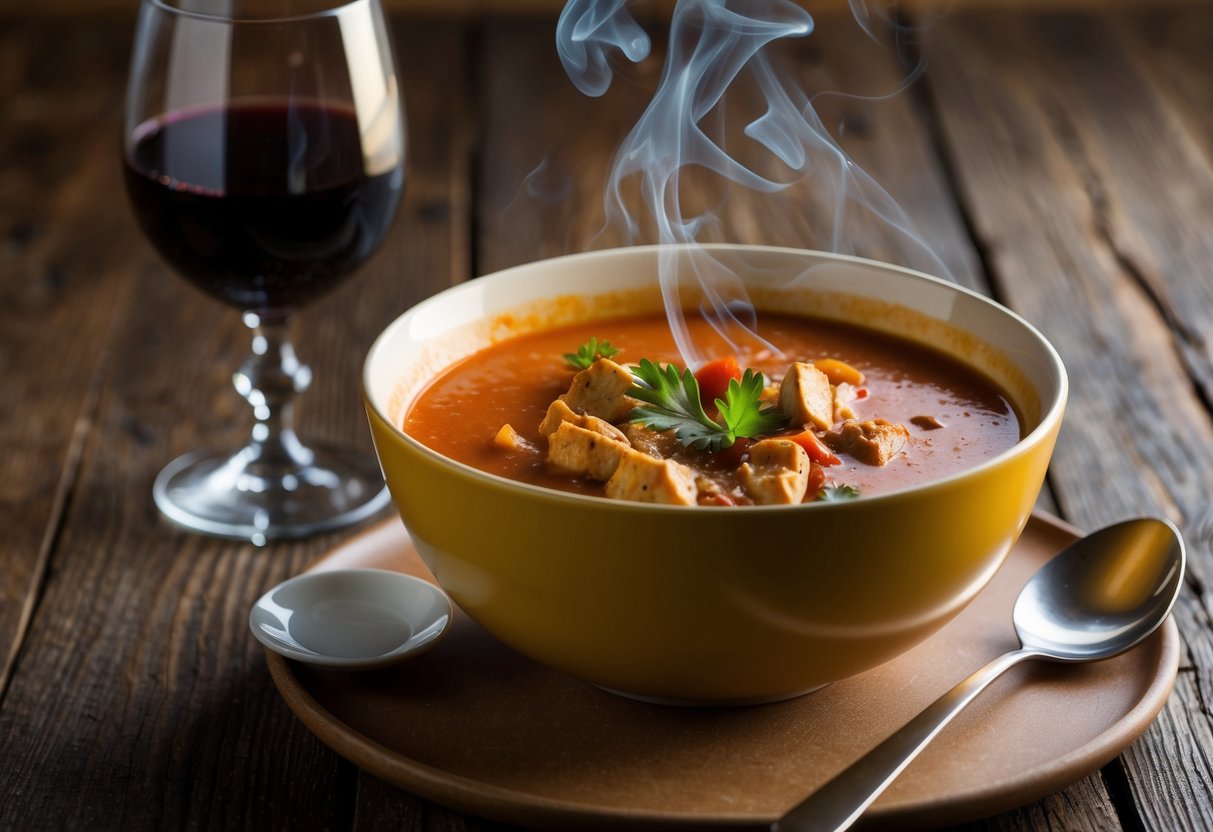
269, 380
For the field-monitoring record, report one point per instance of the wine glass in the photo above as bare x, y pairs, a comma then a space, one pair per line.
264, 152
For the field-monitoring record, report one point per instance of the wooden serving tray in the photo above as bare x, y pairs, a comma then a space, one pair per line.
475, 726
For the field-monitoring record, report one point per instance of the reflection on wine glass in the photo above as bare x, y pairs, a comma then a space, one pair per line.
264, 152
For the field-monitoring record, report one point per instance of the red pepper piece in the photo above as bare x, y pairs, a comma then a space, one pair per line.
714, 378
732, 455
815, 448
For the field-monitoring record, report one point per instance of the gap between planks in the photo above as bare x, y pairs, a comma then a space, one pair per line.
60, 505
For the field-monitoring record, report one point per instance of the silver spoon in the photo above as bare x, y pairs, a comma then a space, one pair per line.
1099, 597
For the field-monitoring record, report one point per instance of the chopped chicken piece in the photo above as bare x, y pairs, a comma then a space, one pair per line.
805, 396
593, 423
646, 440
601, 390
559, 413
585, 452
777, 472
873, 441
644, 479
844, 394
508, 439
926, 422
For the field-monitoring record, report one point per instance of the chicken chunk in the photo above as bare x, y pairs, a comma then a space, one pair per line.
873, 441
776, 473
559, 413
644, 439
926, 422
805, 396
601, 390
585, 452
645, 479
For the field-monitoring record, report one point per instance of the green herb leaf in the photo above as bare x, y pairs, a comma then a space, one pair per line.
672, 402
589, 352
742, 409
837, 493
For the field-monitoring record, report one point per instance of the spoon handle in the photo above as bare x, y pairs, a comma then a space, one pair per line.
840, 802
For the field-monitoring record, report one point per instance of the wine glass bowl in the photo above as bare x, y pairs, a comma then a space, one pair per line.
264, 151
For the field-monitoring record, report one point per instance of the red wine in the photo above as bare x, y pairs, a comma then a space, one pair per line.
263, 205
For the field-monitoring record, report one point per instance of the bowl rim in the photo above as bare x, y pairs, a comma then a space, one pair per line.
1050, 417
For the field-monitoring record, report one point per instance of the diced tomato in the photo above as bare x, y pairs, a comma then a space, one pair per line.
815, 448
714, 378
732, 455
817, 479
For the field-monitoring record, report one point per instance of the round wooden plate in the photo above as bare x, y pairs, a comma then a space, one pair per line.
477, 727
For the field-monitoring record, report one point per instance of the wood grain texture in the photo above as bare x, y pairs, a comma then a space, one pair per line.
544, 148
64, 284
1169, 766
1161, 238
1070, 167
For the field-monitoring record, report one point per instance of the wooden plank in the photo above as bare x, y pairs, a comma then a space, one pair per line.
383, 806
859, 89
141, 700
1083, 807
543, 148
1173, 52
1173, 56
1169, 765
1148, 201
64, 274
547, 151
1065, 167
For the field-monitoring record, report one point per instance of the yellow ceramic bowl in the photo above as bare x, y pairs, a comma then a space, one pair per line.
710, 605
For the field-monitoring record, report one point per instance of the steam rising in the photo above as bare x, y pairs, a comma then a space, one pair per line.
712, 45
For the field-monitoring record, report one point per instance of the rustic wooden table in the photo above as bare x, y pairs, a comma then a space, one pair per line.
1062, 164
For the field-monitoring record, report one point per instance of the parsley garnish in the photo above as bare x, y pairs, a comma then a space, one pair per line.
837, 493
589, 352
672, 403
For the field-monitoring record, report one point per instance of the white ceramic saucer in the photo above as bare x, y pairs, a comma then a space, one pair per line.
351, 619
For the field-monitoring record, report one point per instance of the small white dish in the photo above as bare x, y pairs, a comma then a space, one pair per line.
351, 619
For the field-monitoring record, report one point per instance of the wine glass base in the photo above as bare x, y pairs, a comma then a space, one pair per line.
233, 497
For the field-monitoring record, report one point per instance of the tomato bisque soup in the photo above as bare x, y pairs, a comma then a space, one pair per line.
838, 412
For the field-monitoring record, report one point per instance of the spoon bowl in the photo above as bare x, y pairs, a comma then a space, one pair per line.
351, 619
1102, 595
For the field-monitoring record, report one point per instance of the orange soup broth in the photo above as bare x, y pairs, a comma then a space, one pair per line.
514, 382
